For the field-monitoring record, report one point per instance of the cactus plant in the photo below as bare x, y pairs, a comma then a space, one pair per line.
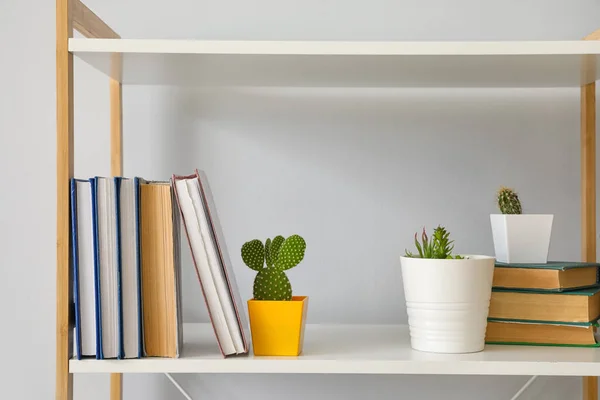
508, 201
279, 255
440, 246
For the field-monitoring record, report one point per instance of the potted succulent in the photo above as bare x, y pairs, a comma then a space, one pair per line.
447, 296
519, 238
277, 318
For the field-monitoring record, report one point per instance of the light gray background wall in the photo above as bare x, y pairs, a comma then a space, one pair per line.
354, 171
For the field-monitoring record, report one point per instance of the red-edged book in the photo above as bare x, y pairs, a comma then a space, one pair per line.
211, 260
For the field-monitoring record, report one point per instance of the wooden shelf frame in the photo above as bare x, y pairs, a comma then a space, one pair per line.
74, 15
588, 192
70, 15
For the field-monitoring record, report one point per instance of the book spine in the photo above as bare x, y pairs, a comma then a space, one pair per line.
117, 190
136, 194
99, 351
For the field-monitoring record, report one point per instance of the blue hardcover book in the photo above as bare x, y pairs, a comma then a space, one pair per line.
138, 250
83, 268
94, 188
74, 249
128, 267
117, 191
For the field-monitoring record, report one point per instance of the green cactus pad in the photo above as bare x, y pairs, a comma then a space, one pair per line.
272, 284
290, 253
253, 254
275, 247
268, 258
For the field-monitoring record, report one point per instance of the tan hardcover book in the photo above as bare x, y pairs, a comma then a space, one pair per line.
574, 306
552, 276
160, 264
541, 333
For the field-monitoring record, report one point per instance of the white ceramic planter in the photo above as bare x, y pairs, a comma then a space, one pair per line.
521, 238
447, 302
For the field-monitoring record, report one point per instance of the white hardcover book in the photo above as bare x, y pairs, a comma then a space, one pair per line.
215, 265
84, 264
219, 308
106, 240
130, 268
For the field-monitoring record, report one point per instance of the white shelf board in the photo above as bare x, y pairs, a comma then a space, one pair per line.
343, 64
358, 349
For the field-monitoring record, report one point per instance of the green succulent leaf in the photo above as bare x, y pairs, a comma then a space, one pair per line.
419, 247
253, 254
439, 246
291, 253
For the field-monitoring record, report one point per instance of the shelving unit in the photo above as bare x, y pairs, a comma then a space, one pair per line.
357, 349
338, 349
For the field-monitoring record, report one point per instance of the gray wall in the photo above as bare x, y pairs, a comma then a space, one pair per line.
356, 172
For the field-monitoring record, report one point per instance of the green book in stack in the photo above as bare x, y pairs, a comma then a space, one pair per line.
553, 304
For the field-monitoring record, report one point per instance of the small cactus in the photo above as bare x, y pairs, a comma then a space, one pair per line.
279, 254
508, 201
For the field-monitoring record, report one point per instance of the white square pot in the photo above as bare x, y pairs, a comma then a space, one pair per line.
521, 238
447, 302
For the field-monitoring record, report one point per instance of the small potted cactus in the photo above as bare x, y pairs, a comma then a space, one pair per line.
519, 238
447, 296
277, 318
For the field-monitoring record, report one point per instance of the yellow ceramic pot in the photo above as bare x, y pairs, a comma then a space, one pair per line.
278, 326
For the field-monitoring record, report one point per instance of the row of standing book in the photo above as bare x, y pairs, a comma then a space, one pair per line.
127, 269
552, 304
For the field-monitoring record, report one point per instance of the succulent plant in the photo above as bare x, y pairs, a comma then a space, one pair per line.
508, 201
440, 246
279, 255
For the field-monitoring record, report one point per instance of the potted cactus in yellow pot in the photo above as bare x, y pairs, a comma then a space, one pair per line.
277, 318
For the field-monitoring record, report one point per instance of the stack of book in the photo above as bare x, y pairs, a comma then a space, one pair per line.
127, 270
557, 303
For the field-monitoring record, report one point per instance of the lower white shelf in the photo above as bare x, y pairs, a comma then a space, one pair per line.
357, 349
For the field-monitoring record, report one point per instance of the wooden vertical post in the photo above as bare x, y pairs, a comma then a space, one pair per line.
75, 14
116, 169
116, 386
116, 128
590, 388
588, 172
588, 192
588, 198
64, 171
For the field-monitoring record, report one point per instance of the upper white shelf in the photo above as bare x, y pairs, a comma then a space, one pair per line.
358, 349
343, 64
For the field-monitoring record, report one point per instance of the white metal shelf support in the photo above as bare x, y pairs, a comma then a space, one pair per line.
524, 388
178, 386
